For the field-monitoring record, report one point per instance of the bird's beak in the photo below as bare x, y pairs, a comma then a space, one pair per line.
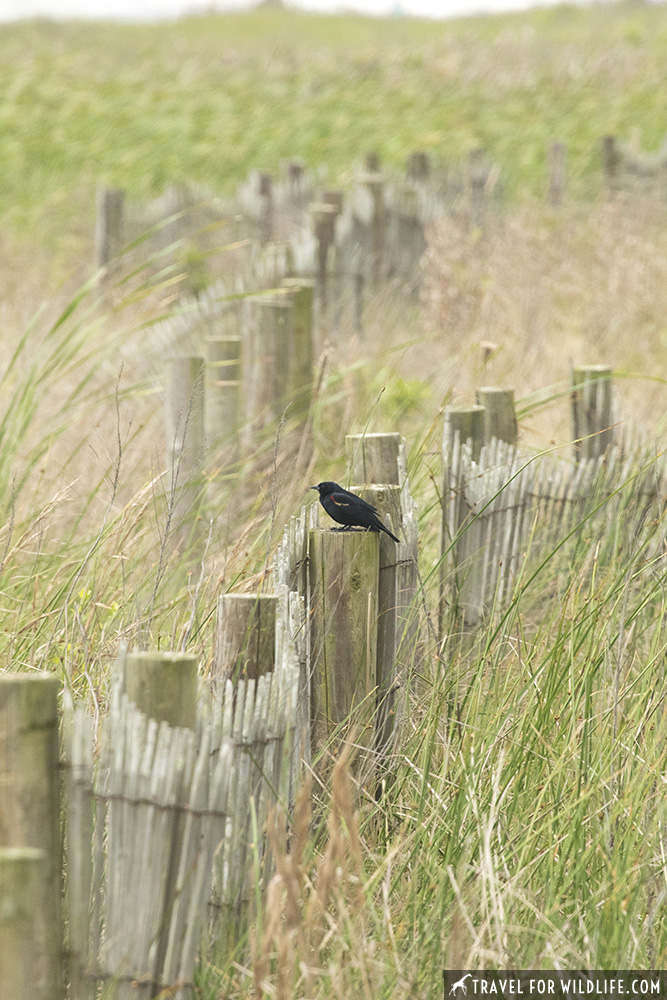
312, 487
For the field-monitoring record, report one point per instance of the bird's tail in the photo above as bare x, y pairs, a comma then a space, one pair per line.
391, 535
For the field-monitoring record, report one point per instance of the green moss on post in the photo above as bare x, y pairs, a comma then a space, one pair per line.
344, 574
30, 797
163, 686
22, 953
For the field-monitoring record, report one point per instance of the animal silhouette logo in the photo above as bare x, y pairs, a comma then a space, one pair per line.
460, 984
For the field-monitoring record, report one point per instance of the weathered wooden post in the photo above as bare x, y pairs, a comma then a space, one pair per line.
324, 228
266, 201
380, 459
387, 500
460, 564
359, 303
592, 427
224, 371
375, 183
296, 182
373, 458
301, 294
83, 926
468, 423
30, 802
344, 574
184, 433
22, 945
163, 686
478, 174
418, 167
612, 159
245, 636
275, 335
108, 226
557, 163
499, 414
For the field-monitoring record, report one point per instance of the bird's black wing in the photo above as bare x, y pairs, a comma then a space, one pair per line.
343, 499
351, 498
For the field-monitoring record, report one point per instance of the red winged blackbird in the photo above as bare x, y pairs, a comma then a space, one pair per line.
349, 509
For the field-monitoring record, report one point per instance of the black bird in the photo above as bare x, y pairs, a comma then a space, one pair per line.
349, 509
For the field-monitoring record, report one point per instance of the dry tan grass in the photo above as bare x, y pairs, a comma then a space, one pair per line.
543, 290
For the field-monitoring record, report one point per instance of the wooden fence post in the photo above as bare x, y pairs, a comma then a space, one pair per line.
324, 229
344, 573
163, 686
108, 225
30, 798
301, 294
224, 372
272, 357
374, 181
22, 953
418, 167
184, 432
373, 458
296, 182
499, 416
387, 500
245, 636
468, 423
611, 161
457, 563
592, 427
266, 199
557, 162
478, 174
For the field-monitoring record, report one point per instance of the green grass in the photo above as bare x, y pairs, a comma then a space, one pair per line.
209, 98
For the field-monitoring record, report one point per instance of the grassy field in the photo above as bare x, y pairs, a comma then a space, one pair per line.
524, 820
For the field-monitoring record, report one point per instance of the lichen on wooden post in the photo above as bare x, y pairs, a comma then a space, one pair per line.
344, 574
163, 686
499, 416
30, 797
592, 410
245, 638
